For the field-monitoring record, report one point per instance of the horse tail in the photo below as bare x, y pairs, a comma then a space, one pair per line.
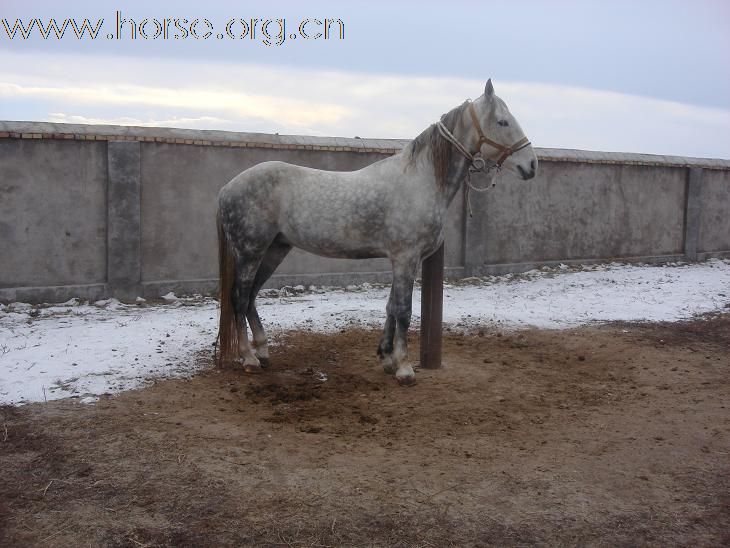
227, 331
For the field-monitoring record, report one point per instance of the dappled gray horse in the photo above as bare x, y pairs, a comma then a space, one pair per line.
394, 208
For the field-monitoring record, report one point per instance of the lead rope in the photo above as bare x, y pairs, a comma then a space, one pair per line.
470, 186
477, 164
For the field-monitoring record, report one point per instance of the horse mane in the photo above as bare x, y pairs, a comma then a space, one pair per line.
438, 148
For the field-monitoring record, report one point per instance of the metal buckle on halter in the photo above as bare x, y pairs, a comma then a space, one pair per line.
478, 164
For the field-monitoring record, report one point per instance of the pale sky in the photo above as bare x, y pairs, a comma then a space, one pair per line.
650, 76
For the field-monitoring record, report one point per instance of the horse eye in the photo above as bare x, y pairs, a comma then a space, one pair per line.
503, 123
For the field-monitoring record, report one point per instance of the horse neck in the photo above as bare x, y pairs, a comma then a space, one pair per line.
426, 169
455, 176
458, 166
444, 191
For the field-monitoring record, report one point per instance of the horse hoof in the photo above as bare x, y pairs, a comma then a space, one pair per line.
389, 368
265, 362
388, 365
251, 368
409, 380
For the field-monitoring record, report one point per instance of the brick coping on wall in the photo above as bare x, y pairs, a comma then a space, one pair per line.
204, 137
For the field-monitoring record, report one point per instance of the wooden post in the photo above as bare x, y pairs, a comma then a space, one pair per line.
432, 309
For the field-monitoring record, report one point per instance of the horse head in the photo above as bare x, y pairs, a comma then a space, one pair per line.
499, 137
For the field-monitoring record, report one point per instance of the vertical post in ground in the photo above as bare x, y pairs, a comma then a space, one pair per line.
432, 306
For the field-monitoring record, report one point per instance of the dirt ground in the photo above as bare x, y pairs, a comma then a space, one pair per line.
615, 435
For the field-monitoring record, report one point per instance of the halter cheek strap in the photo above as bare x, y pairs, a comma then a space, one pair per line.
504, 152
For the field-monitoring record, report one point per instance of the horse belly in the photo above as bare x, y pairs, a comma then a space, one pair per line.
344, 242
335, 224
326, 249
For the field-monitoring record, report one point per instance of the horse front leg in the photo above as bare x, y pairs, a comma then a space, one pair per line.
385, 349
404, 272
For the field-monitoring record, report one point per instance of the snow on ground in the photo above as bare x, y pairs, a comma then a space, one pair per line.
83, 350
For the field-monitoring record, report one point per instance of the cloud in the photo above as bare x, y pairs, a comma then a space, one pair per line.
200, 122
249, 97
560, 116
295, 111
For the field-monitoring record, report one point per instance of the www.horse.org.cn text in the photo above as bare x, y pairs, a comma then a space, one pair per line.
266, 31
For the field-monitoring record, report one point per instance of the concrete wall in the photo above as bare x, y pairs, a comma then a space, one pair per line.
53, 197
93, 211
576, 211
714, 221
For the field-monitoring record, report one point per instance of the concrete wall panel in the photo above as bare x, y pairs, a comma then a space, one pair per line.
52, 212
714, 201
585, 211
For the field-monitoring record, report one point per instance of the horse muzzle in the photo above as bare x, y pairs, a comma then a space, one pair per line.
528, 174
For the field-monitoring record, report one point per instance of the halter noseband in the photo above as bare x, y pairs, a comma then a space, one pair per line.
505, 152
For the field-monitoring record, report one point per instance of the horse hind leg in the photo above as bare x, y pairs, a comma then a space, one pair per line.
260, 342
246, 269
272, 259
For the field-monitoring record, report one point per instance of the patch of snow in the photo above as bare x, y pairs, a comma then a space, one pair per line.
110, 304
84, 350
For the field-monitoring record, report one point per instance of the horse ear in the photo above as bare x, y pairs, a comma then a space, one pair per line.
489, 89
